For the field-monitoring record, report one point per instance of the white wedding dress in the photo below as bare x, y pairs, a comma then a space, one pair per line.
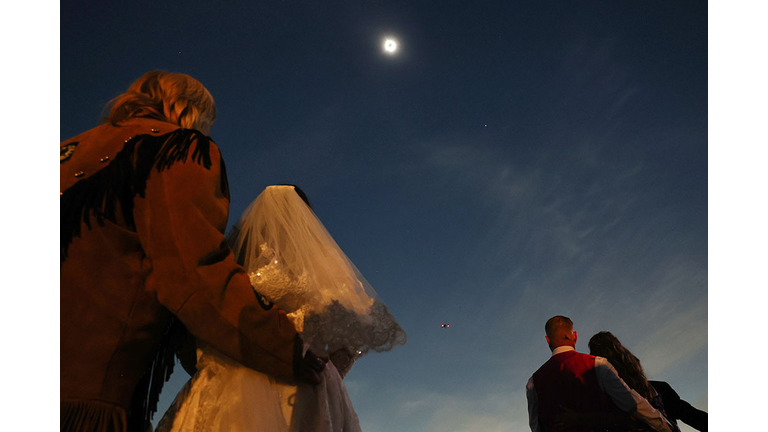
293, 262
227, 396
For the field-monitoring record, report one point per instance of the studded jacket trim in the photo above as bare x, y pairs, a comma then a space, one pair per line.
118, 183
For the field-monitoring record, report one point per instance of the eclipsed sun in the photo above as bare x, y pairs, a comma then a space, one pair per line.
390, 46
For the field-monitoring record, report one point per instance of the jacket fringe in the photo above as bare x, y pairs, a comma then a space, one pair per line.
147, 392
118, 183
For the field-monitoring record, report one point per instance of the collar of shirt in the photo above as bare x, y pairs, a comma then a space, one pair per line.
562, 349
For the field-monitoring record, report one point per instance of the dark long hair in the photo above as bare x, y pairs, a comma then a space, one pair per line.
605, 344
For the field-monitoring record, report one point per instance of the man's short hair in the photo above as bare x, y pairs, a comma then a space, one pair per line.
557, 326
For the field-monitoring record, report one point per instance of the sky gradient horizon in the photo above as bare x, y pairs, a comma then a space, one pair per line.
510, 163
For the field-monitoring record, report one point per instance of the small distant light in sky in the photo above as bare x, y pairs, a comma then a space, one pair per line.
390, 46
445, 325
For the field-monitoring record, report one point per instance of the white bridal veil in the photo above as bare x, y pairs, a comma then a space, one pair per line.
294, 262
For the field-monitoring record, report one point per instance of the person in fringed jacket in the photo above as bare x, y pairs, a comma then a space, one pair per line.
144, 205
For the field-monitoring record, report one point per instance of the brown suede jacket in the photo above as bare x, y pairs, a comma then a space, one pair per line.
143, 212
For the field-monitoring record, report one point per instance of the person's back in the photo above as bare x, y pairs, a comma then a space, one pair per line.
568, 381
604, 344
106, 308
144, 205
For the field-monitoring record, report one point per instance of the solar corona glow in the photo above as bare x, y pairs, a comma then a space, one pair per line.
390, 46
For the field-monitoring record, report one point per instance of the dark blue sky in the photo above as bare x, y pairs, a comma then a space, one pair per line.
513, 161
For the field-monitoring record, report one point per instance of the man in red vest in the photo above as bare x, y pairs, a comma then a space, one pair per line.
584, 390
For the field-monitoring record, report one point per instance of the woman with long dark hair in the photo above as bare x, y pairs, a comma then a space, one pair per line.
605, 344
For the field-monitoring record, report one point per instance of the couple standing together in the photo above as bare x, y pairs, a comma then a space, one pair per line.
604, 391
267, 319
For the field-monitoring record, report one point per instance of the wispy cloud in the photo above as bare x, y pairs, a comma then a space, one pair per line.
675, 339
569, 223
546, 207
570, 239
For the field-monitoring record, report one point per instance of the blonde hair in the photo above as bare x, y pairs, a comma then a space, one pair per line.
172, 97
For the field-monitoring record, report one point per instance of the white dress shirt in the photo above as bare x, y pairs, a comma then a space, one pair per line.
622, 396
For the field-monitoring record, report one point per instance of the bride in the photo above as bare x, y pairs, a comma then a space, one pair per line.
293, 262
